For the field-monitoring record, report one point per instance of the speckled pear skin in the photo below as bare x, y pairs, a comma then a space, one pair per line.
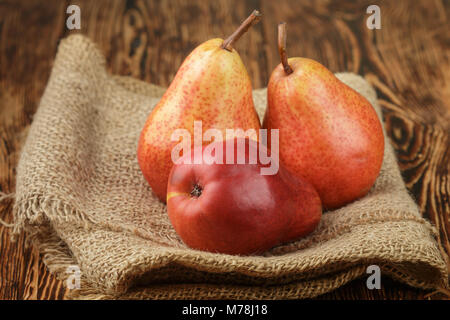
329, 133
212, 85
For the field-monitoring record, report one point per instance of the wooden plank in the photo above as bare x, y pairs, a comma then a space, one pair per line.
414, 46
407, 61
25, 63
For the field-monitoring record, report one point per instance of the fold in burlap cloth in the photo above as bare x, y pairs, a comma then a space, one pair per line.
81, 198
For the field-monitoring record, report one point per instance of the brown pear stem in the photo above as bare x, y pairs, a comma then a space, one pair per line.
282, 47
251, 20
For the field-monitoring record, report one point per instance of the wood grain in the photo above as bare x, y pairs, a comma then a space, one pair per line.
407, 61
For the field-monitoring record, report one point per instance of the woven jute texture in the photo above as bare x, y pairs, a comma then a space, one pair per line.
82, 199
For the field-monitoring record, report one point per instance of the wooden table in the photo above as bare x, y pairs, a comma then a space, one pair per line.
407, 60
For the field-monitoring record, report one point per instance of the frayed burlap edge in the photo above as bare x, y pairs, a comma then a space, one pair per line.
57, 257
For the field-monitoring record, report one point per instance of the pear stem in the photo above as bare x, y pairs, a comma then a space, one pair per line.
282, 47
251, 20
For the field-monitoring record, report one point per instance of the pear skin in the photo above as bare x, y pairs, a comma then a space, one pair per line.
329, 133
212, 86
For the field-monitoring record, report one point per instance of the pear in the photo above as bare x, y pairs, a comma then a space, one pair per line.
329, 134
211, 86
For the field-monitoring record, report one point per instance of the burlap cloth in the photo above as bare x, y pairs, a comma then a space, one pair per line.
82, 199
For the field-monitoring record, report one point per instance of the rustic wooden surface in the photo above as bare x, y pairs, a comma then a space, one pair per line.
408, 61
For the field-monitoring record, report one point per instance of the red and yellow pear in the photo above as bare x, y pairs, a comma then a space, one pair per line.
329, 133
212, 86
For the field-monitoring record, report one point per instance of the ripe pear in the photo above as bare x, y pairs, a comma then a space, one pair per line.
233, 208
212, 86
329, 133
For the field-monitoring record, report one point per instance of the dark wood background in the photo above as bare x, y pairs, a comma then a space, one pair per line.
408, 62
